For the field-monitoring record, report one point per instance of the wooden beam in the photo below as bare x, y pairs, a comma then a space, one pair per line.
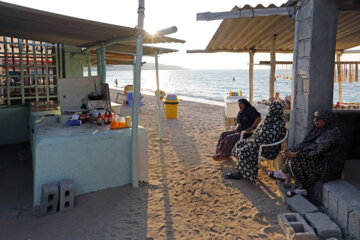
251, 77
272, 66
236, 51
338, 56
246, 13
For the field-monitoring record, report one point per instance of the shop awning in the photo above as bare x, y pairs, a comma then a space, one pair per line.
255, 33
27, 23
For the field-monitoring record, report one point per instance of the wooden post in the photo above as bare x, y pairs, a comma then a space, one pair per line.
103, 62
338, 56
89, 64
251, 77
272, 66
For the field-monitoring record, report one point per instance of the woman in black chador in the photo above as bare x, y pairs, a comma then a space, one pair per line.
247, 120
320, 156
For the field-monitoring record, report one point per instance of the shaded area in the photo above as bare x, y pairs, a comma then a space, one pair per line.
16, 177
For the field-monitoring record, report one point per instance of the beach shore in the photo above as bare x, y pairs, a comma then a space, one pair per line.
187, 196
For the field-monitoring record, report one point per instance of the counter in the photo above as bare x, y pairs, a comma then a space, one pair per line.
93, 156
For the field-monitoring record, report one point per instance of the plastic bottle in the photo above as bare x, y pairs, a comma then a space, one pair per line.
230, 93
99, 119
122, 122
128, 121
106, 118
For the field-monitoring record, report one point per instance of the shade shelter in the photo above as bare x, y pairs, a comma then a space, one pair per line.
271, 30
109, 43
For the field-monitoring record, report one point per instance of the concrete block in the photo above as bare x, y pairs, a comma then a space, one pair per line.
301, 205
67, 195
306, 11
325, 197
295, 227
304, 48
49, 199
333, 206
303, 67
342, 214
283, 188
305, 28
323, 226
354, 224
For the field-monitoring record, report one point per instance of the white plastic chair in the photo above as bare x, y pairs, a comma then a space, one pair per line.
261, 158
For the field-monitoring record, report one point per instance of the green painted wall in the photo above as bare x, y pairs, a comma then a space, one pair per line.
74, 62
14, 124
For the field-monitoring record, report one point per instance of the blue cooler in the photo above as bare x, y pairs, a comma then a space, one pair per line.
130, 95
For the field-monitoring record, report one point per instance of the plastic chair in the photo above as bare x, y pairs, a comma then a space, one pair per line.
261, 158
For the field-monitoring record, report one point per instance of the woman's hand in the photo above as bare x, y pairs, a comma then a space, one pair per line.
287, 153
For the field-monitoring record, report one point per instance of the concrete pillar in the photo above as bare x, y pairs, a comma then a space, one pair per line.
314, 55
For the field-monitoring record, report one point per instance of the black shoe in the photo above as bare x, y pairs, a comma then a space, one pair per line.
234, 175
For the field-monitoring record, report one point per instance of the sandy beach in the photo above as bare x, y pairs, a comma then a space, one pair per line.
187, 196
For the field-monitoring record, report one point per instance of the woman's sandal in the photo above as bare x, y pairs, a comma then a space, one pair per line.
272, 175
234, 175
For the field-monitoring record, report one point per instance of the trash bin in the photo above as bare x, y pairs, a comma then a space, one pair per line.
171, 106
130, 98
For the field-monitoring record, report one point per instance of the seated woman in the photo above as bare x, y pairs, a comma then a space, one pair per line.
246, 151
318, 157
247, 120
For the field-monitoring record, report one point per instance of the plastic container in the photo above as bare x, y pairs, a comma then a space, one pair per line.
232, 106
171, 106
130, 98
128, 121
128, 88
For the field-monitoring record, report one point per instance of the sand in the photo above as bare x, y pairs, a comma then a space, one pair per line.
187, 196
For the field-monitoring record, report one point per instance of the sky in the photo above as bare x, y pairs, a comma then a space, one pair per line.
160, 14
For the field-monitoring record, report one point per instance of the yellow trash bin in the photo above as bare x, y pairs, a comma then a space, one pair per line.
171, 106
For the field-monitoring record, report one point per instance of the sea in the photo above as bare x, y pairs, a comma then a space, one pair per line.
210, 86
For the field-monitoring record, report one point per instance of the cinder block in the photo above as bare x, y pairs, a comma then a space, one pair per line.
332, 209
325, 197
354, 224
67, 195
295, 227
323, 226
283, 188
49, 199
301, 205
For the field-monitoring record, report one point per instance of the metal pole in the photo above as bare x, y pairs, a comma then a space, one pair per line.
251, 77
272, 66
135, 107
158, 95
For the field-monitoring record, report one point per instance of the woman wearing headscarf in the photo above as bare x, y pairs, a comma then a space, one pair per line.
247, 120
246, 151
320, 156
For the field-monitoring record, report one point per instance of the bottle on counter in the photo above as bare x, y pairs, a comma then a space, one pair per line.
99, 119
110, 117
106, 117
